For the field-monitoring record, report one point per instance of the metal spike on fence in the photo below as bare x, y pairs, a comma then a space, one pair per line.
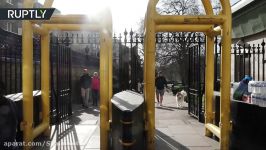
131, 36
137, 38
142, 39
120, 38
263, 59
125, 34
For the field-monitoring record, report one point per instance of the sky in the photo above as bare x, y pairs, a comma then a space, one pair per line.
126, 13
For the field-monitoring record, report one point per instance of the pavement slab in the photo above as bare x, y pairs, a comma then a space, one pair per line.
175, 130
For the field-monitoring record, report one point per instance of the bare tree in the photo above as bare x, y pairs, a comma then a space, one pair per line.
178, 7
176, 51
173, 50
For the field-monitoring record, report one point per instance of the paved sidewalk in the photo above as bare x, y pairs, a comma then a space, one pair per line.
175, 130
79, 132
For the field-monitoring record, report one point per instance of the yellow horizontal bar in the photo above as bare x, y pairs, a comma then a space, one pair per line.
39, 129
214, 129
38, 29
183, 28
72, 27
204, 19
70, 19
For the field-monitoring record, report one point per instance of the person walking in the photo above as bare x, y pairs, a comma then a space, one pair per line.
160, 83
95, 86
85, 83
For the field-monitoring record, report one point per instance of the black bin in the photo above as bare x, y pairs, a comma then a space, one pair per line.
248, 126
127, 132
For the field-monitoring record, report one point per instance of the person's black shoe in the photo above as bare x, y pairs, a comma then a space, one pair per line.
85, 106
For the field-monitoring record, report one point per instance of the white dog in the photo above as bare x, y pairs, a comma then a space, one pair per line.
180, 97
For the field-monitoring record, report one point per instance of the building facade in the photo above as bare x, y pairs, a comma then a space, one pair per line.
11, 25
249, 21
248, 39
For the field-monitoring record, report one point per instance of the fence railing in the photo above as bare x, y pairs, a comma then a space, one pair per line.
246, 59
11, 61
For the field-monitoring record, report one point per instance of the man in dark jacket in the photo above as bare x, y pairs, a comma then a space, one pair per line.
8, 121
85, 83
160, 83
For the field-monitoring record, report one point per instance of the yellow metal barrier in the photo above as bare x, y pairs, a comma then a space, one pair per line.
27, 77
149, 75
203, 23
225, 75
63, 22
45, 80
209, 73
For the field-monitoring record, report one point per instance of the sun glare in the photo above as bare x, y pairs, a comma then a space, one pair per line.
125, 13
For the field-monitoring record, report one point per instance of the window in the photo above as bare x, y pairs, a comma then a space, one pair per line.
9, 26
9, 1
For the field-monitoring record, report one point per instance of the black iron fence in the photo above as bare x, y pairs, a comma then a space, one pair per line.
61, 85
127, 60
246, 59
128, 71
196, 78
11, 70
11, 60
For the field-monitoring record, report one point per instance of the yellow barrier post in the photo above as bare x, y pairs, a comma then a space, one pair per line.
109, 27
209, 71
205, 24
45, 79
27, 77
104, 90
65, 22
209, 83
110, 45
225, 75
150, 73
45, 86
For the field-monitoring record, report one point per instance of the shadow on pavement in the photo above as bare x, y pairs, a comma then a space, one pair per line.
183, 108
63, 135
164, 108
164, 142
77, 112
